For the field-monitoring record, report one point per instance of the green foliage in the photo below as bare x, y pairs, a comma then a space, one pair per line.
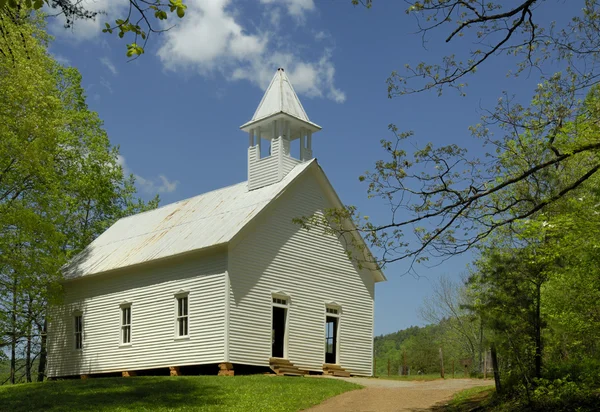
197, 393
60, 181
421, 346
138, 22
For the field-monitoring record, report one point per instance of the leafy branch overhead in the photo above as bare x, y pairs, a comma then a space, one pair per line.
443, 200
143, 17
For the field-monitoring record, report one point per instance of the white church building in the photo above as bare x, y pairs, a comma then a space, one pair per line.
224, 278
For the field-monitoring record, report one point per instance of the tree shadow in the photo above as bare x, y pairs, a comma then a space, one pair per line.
108, 394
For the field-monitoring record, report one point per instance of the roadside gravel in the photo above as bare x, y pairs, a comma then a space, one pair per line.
382, 395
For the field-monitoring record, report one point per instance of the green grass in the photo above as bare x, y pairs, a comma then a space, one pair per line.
468, 400
184, 393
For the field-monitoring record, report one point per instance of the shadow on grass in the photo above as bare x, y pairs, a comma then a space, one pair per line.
110, 394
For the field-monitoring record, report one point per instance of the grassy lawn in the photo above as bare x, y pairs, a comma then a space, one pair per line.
469, 399
184, 393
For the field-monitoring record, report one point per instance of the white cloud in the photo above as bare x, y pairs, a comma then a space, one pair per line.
295, 8
313, 79
211, 38
60, 59
106, 84
161, 184
109, 65
217, 36
206, 37
321, 35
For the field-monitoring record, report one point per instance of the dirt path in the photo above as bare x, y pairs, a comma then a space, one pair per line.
380, 395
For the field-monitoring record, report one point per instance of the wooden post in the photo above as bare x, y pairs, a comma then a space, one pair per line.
388, 366
404, 366
259, 143
442, 362
452, 368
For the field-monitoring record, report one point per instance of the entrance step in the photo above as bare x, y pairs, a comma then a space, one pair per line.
335, 370
284, 367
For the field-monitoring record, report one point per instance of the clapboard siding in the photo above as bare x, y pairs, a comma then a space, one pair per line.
271, 169
278, 256
150, 289
265, 171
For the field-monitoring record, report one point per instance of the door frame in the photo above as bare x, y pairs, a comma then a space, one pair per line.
333, 311
286, 307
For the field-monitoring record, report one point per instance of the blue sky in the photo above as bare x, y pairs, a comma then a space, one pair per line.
176, 111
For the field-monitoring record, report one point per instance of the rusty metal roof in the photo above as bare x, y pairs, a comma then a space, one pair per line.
199, 222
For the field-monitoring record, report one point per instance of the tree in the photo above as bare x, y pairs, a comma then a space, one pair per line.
452, 201
141, 21
462, 331
60, 185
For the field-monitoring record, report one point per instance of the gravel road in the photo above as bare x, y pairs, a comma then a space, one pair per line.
381, 395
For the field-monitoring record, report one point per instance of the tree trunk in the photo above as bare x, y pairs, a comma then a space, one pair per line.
13, 340
480, 344
538, 332
496, 370
43, 354
28, 364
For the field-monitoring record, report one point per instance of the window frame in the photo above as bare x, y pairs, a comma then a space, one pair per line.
123, 325
78, 331
179, 296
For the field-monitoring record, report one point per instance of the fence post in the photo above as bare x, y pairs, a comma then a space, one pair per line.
442, 361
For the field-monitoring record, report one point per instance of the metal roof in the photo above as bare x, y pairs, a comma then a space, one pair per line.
280, 97
199, 222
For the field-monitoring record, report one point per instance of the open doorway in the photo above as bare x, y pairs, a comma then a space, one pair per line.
278, 332
331, 339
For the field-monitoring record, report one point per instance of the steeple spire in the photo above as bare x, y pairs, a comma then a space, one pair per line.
279, 119
280, 97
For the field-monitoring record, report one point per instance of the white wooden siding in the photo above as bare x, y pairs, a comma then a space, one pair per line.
287, 161
150, 289
263, 172
275, 255
270, 169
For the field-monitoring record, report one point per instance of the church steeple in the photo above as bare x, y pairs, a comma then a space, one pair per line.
278, 120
